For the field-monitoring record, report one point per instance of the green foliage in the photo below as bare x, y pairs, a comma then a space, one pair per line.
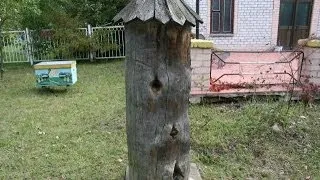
10, 17
101, 40
96, 12
13, 11
48, 14
65, 17
68, 43
8, 9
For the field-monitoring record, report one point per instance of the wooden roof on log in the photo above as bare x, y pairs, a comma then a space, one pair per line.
162, 10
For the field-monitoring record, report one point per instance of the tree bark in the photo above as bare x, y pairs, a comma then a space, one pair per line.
158, 80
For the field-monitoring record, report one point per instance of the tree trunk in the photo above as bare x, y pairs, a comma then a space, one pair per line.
157, 90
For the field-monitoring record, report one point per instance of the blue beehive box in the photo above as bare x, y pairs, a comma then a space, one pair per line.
56, 73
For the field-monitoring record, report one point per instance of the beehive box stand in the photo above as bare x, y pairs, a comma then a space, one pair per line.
56, 73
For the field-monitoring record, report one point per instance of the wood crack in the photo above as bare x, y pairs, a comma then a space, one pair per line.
177, 173
144, 64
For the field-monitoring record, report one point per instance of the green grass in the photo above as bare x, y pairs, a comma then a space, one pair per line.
79, 133
239, 143
84, 126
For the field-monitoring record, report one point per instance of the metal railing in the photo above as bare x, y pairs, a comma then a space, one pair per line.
14, 46
49, 45
113, 37
261, 69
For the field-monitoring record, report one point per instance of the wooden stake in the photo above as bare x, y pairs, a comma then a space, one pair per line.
158, 80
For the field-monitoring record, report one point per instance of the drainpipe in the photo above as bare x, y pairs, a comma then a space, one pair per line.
197, 24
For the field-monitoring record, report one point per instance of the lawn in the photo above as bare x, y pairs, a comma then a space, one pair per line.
79, 133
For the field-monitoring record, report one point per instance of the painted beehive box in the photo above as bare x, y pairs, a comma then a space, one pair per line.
56, 73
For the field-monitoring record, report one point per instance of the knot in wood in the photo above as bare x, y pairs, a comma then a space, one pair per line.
174, 132
156, 86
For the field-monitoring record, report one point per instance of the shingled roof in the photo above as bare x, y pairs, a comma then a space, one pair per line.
162, 10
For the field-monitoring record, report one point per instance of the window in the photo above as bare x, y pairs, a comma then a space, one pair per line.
222, 16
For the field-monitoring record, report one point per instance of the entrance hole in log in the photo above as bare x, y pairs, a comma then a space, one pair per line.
156, 85
177, 173
174, 132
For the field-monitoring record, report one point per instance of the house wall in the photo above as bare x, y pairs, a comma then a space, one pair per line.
315, 21
316, 16
252, 25
255, 24
311, 66
204, 10
318, 33
191, 3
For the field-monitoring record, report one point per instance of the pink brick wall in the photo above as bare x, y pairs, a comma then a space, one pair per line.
311, 66
200, 65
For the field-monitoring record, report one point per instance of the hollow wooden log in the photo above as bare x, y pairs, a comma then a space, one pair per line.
158, 80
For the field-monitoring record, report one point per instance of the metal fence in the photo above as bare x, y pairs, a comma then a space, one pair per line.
238, 70
112, 38
14, 46
49, 45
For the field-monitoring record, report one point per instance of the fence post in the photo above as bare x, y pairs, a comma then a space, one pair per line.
91, 57
29, 47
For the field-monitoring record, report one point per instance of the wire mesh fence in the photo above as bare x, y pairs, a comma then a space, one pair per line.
48, 45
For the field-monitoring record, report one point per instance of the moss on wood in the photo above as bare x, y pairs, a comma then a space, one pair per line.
203, 44
315, 43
